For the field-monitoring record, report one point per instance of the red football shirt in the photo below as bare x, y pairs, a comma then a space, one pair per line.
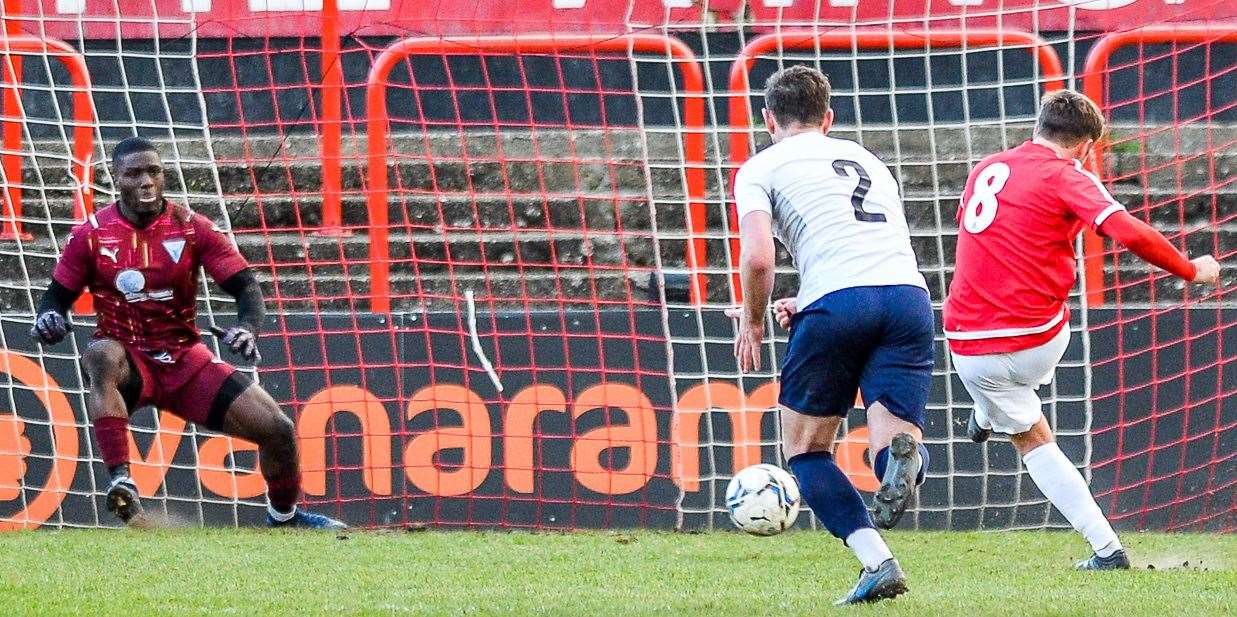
145, 281
1017, 222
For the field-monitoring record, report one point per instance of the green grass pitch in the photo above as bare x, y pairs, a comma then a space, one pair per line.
114, 572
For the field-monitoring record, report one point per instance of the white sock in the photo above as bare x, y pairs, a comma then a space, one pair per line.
280, 516
869, 547
1061, 483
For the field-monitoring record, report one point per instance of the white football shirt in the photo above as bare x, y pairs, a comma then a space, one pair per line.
838, 210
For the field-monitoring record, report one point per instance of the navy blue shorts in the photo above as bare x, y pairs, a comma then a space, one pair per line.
877, 340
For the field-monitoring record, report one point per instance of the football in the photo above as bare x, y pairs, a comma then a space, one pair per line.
763, 500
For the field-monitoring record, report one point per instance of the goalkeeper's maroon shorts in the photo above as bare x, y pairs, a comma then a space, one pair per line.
192, 383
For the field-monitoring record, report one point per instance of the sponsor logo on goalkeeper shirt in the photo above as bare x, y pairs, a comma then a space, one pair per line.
132, 282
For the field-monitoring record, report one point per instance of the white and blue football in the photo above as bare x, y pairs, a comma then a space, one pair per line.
763, 500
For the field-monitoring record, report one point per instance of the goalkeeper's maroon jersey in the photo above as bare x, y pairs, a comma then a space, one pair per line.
145, 281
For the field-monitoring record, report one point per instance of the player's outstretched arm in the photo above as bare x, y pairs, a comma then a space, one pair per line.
1143, 240
242, 338
51, 322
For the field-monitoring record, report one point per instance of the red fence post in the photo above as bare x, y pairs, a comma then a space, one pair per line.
83, 115
378, 121
11, 163
1093, 87
740, 88
332, 137
83, 135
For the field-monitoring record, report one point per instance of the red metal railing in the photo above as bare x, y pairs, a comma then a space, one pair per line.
83, 127
1093, 87
740, 104
331, 127
378, 125
12, 130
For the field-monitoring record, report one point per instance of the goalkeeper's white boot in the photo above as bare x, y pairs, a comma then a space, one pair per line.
123, 499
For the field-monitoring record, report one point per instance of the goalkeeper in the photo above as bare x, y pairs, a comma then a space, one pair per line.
140, 258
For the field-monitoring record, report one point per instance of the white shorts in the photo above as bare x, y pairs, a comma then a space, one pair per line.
1003, 385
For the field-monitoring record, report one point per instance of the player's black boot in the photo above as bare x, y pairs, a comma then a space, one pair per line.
899, 484
888, 581
123, 499
1116, 561
977, 433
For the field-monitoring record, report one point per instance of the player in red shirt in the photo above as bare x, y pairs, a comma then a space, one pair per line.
140, 257
1006, 317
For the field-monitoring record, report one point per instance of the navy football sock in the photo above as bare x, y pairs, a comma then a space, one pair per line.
881, 461
827, 490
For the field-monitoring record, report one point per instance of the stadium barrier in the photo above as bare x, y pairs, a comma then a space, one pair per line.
377, 124
418, 448
392, 437
1093, 86
83, 123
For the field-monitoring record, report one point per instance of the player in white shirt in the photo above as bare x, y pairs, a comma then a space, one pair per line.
862, 319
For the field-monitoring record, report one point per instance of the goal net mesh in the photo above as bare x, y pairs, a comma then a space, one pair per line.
496, 248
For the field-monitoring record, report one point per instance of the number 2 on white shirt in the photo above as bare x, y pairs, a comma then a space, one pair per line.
981, 208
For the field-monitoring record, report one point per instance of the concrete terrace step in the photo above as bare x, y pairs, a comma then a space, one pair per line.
630, 211
568, 288
539, 223
479, 159
464, 249
1167, 208
940, 141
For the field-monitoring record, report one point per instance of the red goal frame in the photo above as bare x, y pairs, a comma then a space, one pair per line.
377, 126
1093, 87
